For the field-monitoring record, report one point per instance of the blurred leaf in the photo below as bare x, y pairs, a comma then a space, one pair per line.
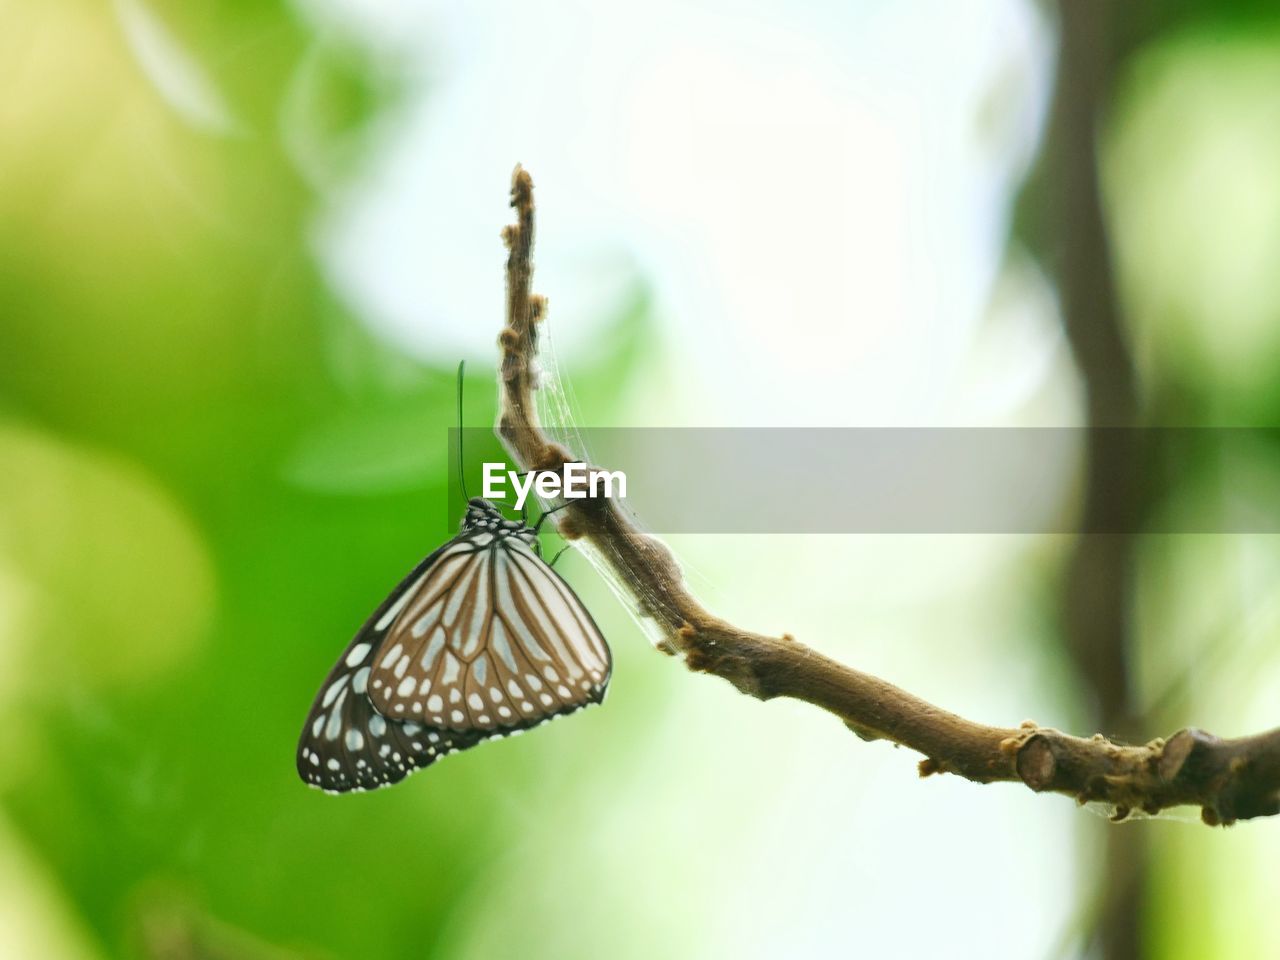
394, 449
174, 71
119, 586
35, 920
171, 926
1189, 167
331, 107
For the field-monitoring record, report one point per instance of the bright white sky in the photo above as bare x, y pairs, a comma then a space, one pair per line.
816, 192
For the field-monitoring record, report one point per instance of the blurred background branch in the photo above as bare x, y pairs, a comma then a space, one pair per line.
1099, 575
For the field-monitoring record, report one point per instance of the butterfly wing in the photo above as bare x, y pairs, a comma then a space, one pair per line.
492, 641
350, 746
345, 743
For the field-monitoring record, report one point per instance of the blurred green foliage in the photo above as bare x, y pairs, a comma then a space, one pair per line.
209, 474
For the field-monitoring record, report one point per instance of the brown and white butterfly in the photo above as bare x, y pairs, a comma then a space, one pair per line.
481, 640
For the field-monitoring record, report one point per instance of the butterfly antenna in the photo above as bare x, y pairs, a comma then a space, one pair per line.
462, 480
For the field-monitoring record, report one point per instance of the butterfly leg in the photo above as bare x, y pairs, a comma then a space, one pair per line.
546, 513
537, 528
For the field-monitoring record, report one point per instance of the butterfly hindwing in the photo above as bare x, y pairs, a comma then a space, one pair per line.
493, 640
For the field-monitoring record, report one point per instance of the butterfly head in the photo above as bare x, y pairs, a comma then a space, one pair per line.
484, 515
481, 511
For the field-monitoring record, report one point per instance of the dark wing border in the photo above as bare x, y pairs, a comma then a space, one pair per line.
367, 766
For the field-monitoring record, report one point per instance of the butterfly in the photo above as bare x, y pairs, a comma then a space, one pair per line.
483, 639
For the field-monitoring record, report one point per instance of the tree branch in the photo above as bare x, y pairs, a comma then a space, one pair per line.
1228, 779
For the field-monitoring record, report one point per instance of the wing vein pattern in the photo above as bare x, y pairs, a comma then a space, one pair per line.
482, 639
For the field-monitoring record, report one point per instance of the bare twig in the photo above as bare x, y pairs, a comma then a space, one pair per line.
1228, 779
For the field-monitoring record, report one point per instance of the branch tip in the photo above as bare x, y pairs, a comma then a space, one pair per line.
521, 189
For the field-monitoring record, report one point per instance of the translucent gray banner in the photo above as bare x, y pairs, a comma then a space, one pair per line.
923, 480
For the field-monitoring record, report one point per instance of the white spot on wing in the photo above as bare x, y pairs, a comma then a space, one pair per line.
451, 667
394, 610
500, 645
554, 616
459, 593
358, 653
434, 646
333, 690
335, 719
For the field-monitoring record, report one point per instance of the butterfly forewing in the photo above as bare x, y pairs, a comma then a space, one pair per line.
495, 642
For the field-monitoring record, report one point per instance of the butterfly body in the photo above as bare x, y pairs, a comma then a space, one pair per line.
482, 639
